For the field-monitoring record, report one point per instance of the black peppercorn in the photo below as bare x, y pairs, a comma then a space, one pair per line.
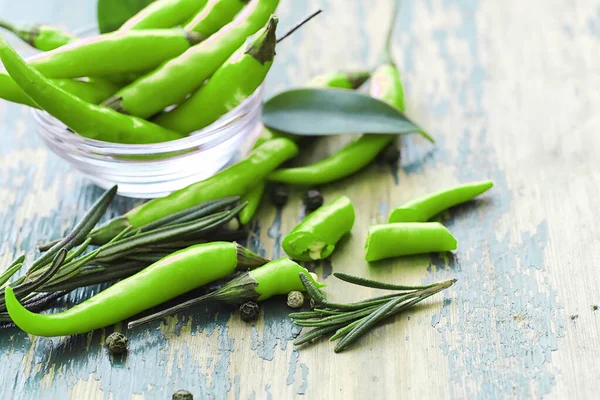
279, 195
249, 311
312, 200
390, 154
183, 395
116, 343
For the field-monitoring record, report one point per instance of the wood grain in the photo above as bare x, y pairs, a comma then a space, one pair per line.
509, 89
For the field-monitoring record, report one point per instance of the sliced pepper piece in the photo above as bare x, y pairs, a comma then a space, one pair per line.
316, 236
407, 238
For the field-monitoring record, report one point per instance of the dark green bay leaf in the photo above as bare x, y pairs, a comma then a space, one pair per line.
320, 112
113, 13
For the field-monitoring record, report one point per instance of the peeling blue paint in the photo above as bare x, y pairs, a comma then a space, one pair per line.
278, 330
593, 24
303, 386
274, 233
236, 387
292, 368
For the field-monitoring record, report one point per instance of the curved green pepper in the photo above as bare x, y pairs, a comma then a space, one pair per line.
233, 181
385, 85
231, 84
278, 277
423, 208
407, 238
163, 14
214, 15
346, 162
316, 236
84, 118
166, 279
170, 83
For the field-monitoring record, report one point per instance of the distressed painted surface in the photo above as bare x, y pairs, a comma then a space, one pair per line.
509, 90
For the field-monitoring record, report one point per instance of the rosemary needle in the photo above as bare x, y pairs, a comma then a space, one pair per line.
79, 233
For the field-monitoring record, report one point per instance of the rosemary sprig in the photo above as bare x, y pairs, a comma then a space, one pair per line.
352, 321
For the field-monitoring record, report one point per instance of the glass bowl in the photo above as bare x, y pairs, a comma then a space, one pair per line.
155, 170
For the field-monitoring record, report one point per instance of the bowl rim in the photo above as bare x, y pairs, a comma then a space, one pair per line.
201, 137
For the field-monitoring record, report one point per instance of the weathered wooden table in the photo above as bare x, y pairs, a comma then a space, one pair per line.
509, 90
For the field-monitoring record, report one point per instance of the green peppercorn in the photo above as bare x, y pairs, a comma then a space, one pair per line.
312, 200
279, 195
183, 395
295, 299
249, 311
390, 154
116, 343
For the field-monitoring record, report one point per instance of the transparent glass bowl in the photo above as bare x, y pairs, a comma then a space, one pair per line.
155, 170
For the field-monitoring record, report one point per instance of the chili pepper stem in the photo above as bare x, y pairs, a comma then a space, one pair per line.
263, 47
24, 35
295, 28
386, 54
248, 259
358, 78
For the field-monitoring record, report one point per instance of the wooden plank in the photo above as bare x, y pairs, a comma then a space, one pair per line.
508, 90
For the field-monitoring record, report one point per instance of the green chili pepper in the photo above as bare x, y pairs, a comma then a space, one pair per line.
114, 53
180, 76
349, 160
231, 84
316, 236
84, 118
423, 208
406, 238
338, 79
214, 15
385, 85
234, 181
40, 36
278, 277
163, 14
168, 278
91, 90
